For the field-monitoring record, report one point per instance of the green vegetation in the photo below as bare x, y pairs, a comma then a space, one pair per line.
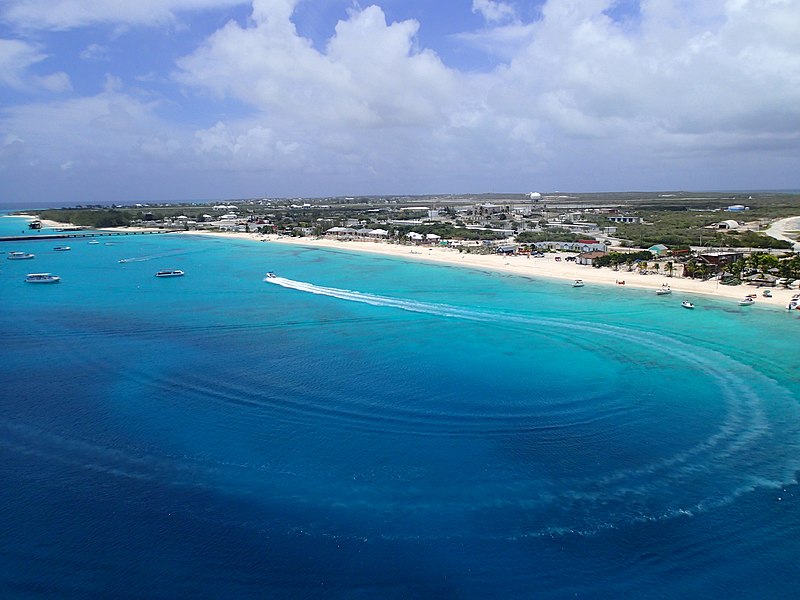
89, 218
615, 259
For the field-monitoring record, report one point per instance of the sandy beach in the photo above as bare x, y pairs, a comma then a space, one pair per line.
551, 265
545, 267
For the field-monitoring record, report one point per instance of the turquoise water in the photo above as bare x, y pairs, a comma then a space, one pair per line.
371, 427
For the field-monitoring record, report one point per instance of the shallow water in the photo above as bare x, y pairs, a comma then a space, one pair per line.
370, 427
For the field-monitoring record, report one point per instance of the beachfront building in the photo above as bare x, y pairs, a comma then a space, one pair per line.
586, 258
579, 246
341, 232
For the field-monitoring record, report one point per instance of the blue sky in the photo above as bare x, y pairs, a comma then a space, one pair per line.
160, 100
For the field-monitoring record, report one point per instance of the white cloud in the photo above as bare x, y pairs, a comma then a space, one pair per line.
66, 14
494, 12
269, 66
16, 60
95, 52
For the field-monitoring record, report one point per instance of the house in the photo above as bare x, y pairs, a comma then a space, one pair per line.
625, 219
586, 258
340, 232
658, 249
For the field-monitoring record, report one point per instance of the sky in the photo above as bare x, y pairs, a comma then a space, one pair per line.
168, 100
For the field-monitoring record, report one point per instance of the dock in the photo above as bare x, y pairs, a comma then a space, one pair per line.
81, 234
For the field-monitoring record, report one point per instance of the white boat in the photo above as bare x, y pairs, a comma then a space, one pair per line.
687, 304
170, 273
42, 278
62, 248
19, 256
578, 283
271, 275
664, 290
94, 242
746, 301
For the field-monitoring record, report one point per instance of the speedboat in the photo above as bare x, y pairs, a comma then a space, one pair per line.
42, 278
664, 290
271, 275
687, 304
578, 283
94, 242
19, 256
62, 248
170, 273
747, 301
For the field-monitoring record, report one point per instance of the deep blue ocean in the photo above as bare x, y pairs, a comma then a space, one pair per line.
367, 427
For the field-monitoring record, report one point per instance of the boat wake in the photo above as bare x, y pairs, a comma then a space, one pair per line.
136, 259
712, 472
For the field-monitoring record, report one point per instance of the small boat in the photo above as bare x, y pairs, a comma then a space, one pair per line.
794, 304
62, 248
665, 289
170, 273
687, 304
19, 256
94, 242
746, 301
271, 275
42, 278
578, 283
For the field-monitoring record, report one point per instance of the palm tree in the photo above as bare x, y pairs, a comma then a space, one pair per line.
669, 267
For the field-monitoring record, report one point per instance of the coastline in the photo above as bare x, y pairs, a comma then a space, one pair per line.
546, 267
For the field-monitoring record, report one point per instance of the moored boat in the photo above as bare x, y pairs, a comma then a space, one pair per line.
170, 273
94, 242
62, 248
578, 283
19, 256
746, 301
687, 304
42, 278
664, 290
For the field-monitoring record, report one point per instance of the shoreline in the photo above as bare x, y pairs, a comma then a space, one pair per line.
546, 267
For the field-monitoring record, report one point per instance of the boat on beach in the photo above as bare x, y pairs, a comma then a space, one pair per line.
170, 273
42, 278
687, 304
578, 283
20, 256
664, 290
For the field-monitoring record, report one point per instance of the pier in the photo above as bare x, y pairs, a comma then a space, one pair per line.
81, 234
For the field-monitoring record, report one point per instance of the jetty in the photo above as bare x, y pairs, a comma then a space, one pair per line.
82, 234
